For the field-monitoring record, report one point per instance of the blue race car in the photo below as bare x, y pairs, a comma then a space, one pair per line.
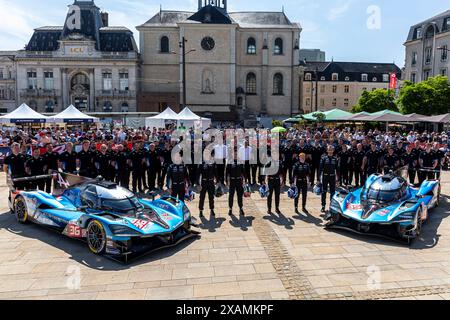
111, 219
386, 206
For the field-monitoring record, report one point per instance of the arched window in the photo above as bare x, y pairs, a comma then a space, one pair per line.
278, 48
125, 107
164, 47
208, 82
251, 46
278, 84
107, 106
49, 106
250, 83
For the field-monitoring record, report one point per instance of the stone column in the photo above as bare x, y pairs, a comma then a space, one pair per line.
65, 89
92, 105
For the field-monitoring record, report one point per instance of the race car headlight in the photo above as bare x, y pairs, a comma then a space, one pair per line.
335, 206
186, 213
119, 230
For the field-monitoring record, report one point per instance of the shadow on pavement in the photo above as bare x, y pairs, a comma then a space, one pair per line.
212, 224
281, 220
78, 250
242, 223
309, 218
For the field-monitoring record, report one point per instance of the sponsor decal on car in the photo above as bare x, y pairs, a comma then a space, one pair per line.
382, 213
140, 224
354, 207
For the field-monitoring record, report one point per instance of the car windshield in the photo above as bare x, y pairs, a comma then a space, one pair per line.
383, 195
125, 206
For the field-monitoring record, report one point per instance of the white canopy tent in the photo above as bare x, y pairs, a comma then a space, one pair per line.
73, 115
160, 120
23, 114
188, 119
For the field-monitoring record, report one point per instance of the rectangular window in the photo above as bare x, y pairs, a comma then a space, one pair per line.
32, 79
322, 102
308, 89
346, 104
1, 73
107, 81
413, 77
428, 55
334, 102
2, 94
444, 71
308, 102
123, 81
334, 89
347, 89
364, 89
48, 80
444, 53
322, 89
426, 75
414, 59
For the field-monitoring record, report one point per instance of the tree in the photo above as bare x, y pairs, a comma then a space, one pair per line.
429, 97
319, 116
374, 101
277, 123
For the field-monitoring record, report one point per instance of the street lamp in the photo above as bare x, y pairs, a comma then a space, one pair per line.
183, 54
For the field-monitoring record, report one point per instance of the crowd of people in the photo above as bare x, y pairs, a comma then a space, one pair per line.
141, 160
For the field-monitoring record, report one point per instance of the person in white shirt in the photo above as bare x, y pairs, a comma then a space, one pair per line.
244, 155
220, 154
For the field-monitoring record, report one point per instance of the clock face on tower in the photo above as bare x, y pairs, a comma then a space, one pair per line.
208, 43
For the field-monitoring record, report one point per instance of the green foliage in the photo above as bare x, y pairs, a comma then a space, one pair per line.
429, 97
374, 101
277, 123
319, 116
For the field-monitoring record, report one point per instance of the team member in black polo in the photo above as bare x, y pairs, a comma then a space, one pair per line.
371, 160
177, 178
427, 163
439, 155
410, 159
166, 161
235, 178
208, 176
391, 161
51, 161
344, 157
102, 162
274, 182
85, 161
122, 166
36, 166
300, 174
153, 166
317, 152
137, 167
68, 159
358, 162
328, 170
14, 165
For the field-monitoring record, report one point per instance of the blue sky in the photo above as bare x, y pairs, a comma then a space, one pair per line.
337, 26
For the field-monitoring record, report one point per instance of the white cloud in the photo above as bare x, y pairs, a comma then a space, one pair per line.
339, 10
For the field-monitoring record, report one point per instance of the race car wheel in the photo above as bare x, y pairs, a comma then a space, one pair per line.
20, 210
419, 222
96, 237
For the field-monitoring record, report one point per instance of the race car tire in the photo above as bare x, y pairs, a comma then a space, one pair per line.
419, 222
20, 210
438, 198
96, 237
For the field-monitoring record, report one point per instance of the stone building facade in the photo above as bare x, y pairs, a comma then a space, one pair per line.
86, 63
7, 81
238, 66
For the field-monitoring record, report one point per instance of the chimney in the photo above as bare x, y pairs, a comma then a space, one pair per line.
105, 19
200, 5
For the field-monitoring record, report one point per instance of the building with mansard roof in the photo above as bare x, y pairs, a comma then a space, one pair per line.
239, 65
85, 62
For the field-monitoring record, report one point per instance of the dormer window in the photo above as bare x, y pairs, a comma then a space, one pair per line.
417, 33
322, 78
335, 77
374, 79
364, 77
447, 23
347, 78
385, 78
308, 77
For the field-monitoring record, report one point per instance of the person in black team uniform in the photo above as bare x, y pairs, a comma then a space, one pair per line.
68, 159
288, 159
344, 157
153, 167
85, 161
328, 169
439, 155
166, 159
208, 176
36, 166
371, 161
51, 161
409, 159
14, 164
358, 162
274, 182
316, 154
102, 161
300, 174
177, 178
137, 167
427, 163
122, 166
235, 177
391, 161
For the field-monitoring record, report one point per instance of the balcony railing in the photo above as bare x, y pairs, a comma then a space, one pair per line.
116, 94
37, 93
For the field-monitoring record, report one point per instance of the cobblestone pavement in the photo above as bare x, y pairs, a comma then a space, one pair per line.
261, 256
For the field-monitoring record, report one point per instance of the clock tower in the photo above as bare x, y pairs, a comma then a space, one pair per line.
216, 3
